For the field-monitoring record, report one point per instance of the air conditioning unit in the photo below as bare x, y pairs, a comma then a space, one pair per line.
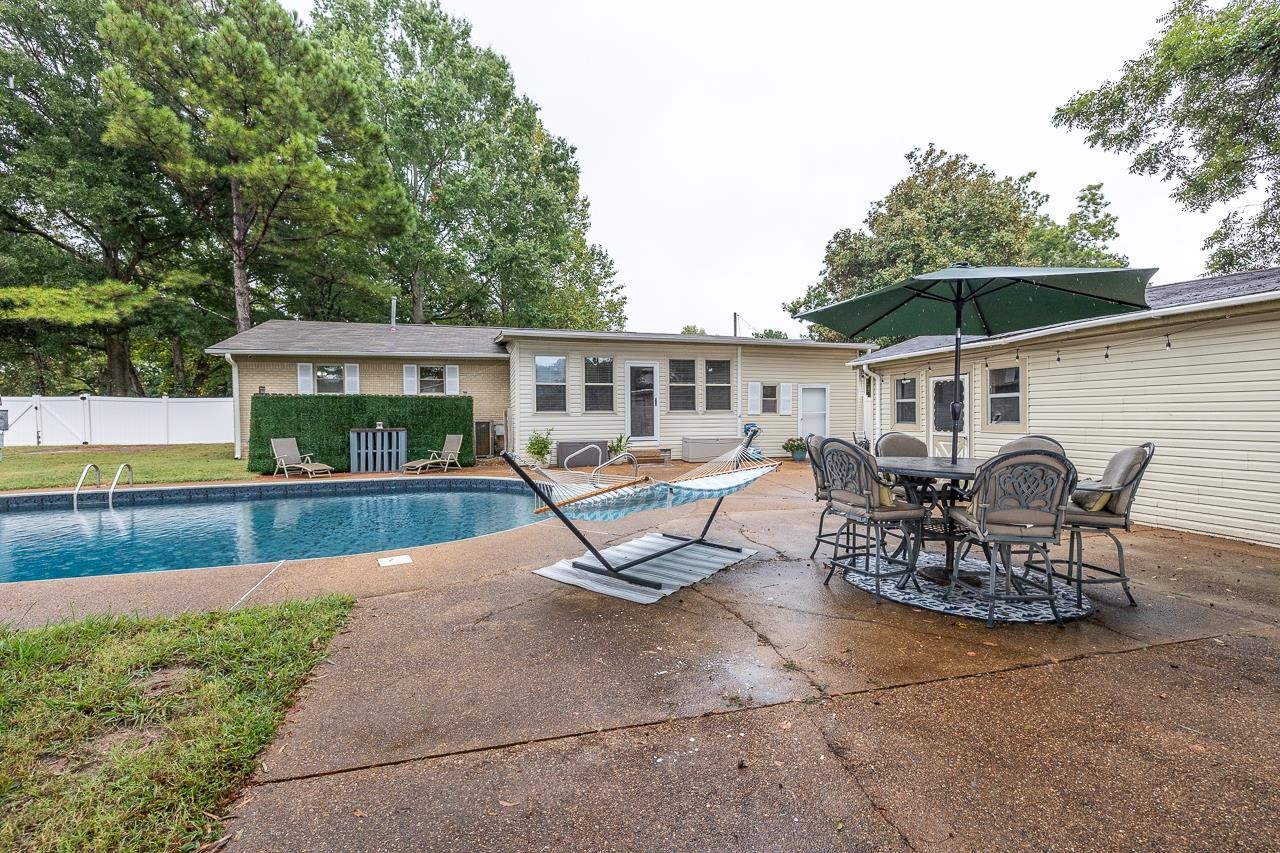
490, 438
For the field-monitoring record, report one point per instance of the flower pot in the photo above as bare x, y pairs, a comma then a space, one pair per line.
798, 455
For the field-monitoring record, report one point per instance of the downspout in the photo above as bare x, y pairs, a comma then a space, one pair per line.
738, 388
235, 400
875, 411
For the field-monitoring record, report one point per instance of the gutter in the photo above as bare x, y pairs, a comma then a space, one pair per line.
1100, 322
313, 354
235, 400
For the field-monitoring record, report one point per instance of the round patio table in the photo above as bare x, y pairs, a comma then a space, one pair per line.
935, 468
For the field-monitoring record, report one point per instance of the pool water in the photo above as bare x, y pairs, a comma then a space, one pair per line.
62, 543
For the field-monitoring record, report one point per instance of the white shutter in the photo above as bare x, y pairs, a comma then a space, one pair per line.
451, 379
410, 380
754, 394
351, 379
784, 398
305, 385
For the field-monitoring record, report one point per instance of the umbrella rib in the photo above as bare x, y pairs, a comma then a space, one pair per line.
870, 323
1112, 300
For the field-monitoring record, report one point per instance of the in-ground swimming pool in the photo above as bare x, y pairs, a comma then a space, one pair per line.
61, 543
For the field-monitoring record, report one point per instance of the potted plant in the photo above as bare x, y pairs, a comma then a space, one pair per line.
619, 445
796, 447
539, 446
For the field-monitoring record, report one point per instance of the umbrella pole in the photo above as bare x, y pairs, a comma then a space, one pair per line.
957, 407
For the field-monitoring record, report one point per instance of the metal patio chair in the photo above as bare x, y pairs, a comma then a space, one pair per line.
864, 499
1034, 442
901, 444
1105, 506
290, 461
822, 494
446, 456
1017, 499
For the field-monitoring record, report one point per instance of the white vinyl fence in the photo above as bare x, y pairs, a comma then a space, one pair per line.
86, 419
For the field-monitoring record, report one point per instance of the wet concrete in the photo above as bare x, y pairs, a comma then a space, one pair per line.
474, 705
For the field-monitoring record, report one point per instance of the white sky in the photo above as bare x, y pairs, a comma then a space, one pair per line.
722, 143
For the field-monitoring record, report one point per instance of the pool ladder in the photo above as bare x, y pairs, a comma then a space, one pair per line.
97, 482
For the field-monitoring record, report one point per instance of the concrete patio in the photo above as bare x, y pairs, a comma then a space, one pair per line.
473, 705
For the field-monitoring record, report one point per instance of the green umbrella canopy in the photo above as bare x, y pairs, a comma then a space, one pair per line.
993, 300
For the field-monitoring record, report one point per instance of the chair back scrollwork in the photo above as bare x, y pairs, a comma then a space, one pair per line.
852, 474
1023, 494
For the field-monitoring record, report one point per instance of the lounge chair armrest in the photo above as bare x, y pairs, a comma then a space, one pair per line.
306, 457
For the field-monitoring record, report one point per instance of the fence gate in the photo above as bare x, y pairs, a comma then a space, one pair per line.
374, 450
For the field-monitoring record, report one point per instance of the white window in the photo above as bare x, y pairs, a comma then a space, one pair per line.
904, 401
769, 399
431, 379
597, 374
1004, 395
718, 386
549, 383
330, 379
682, 388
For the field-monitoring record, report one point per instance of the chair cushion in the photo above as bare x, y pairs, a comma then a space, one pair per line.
1019, 523
1120, 469
1101, 518
1090, 501
896, 511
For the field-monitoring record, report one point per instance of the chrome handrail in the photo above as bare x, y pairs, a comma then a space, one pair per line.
583, 449
116, 479
617, 460
97, 475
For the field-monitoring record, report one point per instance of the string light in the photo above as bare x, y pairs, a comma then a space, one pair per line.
1059, 357
1107, 354
1168, 344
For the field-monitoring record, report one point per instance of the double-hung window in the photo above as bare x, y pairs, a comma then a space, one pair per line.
330, 379
718, 388
597, 374
769, 399
904, 401
1004, 395
682, 384
431, 379
549, 383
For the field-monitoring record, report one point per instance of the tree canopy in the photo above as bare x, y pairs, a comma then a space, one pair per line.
950, 209
1201, 109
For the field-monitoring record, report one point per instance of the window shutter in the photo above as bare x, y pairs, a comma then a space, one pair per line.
351, 379
754, 394
784, 398
305, 385
451, 379
410, 380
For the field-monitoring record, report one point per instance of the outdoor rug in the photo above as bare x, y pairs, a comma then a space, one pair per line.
674, 571
964, 603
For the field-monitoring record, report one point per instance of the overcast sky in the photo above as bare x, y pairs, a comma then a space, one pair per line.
722, 143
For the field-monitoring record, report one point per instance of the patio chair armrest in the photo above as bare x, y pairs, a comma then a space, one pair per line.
1095, 486
306, 457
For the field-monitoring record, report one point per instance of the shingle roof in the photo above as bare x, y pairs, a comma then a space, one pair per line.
1182, 294
310, 337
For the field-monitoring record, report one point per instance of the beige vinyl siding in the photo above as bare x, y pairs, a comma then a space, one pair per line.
1211, 403
484, 380
770, 364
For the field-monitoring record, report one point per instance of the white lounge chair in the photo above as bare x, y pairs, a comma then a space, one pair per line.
444, 457
289, 460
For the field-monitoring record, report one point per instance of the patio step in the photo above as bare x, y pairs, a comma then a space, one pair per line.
648, 455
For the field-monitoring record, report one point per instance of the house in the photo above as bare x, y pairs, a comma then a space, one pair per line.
679, 394
1198, 374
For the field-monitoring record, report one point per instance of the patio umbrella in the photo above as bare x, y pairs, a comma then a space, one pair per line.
969, 300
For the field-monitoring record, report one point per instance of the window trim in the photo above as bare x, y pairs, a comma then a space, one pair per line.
764, 398
707, 385
612, 384
444, 380
673, 385
914, 400
564, 385
315, 378
1019, 426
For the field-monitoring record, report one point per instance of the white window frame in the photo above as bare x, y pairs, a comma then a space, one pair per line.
707, 386
672, 385
1011, 426
611, 384
914, 400
765, 399
826, 426
564, 384
442, 380
342, 378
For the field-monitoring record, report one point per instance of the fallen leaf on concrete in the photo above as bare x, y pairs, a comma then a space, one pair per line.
839, 826
1198, 747
785, 725
971, 654
505, 803
358, 813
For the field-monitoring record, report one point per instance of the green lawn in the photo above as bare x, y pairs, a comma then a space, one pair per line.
120, 733
60, 467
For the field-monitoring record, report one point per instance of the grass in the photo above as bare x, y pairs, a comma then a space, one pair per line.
122, 733
60, 467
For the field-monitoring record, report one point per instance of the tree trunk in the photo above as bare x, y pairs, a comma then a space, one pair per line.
179, 363
419, 294
119, 375
239, 259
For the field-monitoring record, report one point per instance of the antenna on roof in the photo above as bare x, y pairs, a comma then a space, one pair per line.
393, 312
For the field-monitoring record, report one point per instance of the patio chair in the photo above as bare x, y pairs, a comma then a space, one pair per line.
1106, 506
822, 494
864, 498
289, 460
446, 456
1017, 499
901, 444
1034, 442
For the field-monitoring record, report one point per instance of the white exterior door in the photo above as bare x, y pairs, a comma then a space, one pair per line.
941, 395
642, 402
814, 410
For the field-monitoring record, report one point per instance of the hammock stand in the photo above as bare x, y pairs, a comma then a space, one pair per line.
734, 458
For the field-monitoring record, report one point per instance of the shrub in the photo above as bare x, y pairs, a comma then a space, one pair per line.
619, 445
539, 446
321, 422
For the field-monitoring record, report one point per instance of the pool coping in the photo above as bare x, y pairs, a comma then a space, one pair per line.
208, 493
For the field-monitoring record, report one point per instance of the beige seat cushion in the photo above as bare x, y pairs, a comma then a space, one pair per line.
897, 511
1021, 523
1100, 518
1123, 466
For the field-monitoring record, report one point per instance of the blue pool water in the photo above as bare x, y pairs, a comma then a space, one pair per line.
62, 543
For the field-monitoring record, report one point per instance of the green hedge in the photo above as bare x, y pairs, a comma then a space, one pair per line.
320, 423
